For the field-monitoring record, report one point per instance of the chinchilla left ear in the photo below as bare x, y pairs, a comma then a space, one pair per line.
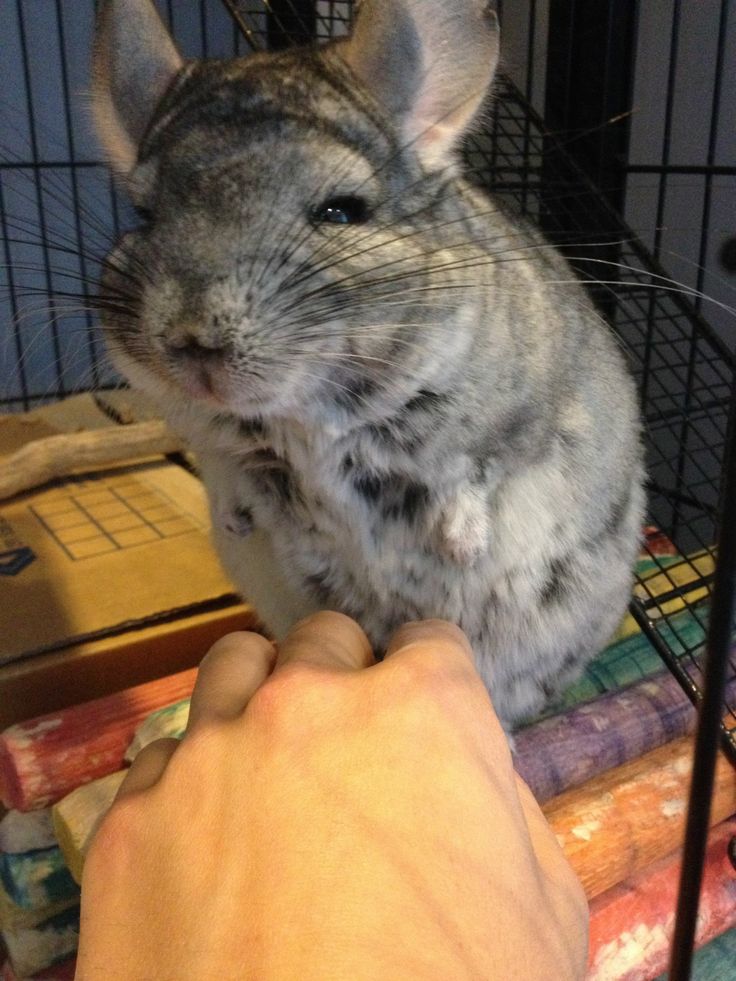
134, 63
430, 62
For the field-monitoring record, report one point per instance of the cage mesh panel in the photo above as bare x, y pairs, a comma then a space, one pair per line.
70, 211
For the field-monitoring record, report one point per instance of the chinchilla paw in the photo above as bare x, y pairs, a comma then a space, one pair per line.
238, 521
465, 528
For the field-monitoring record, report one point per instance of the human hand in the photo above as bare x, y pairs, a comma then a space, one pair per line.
327, 817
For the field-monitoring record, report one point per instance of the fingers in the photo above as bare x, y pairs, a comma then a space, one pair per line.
147, 767
229, 675
434, 634
328, 640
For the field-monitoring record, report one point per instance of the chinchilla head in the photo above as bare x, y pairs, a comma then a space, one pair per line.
303, 245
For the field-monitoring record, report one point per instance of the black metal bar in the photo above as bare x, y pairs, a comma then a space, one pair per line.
713, 170
712, 145
290, 22
203, 27
42, 227
241, 24
589, 92
591, 104
17, 337
46, 164
668, 119
723, 609
76, 203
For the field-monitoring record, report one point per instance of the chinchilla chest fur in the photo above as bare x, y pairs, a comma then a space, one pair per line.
396, 382
505, 496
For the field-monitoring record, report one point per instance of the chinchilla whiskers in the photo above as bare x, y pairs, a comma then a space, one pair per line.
50, 245
475, 263
67, 216
656, 282
336, 305
341, 254
75, 277
59, 240
322, 379
356, 359
341, 168
313, 334
482, 255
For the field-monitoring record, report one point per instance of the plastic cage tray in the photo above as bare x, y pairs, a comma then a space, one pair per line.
685, 373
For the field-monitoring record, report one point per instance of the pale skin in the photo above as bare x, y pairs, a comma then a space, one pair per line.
326, 817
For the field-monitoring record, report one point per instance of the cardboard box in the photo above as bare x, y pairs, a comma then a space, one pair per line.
102, 553
49, 682
101, 567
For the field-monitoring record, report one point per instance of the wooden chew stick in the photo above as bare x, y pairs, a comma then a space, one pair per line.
13, 916
38, 879
34, 949
27, 832
57, 456
47, 757
78, 815
631, 925
567, 749
625, 819
64, 971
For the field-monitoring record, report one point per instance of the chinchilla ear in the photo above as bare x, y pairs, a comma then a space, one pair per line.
430, 62
134, 62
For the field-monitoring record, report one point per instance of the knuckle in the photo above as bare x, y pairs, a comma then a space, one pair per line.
322, 619
293, 695
237, 642
114, 841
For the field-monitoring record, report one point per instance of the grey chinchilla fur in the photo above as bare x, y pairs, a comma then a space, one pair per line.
397, 384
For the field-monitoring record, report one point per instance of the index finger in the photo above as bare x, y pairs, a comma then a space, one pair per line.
329, 640
435, 634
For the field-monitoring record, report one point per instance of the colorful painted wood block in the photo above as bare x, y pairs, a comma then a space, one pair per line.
78, 815
566, 750
618, 823
45, 758
33, 949
24, 832
631, 925
35, 880
64, 971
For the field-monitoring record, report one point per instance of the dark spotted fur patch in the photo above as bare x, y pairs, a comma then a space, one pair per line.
354, 392
274, 476
368, 486
407, 502
396, 497
618, 512
317, 585
557, 583
252, 428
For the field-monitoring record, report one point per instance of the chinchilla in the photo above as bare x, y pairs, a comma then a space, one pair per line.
398, 384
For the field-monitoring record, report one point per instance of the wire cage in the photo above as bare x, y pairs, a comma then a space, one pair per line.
559, 144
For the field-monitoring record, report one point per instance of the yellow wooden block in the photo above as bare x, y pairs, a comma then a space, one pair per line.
77, 816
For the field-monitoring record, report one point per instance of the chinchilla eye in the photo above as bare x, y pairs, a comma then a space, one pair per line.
347, 210
144, 215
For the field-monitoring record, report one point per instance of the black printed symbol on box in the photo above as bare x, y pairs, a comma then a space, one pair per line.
15, 560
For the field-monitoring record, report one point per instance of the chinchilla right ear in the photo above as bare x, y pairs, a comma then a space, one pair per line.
134, 63
429, 62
